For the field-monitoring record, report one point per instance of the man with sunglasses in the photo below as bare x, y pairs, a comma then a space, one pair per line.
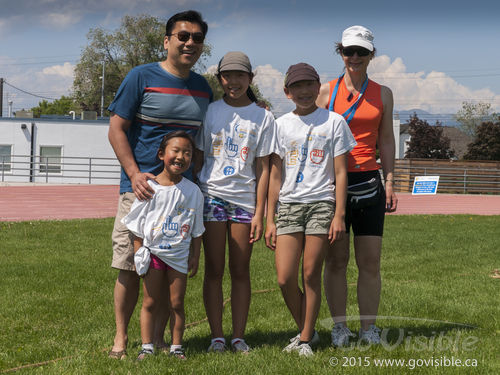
153, 100
367, 108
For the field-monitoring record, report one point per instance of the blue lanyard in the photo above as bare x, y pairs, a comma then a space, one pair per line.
349, 114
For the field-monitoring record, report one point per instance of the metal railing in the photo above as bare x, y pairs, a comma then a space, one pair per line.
454, 177
91, 170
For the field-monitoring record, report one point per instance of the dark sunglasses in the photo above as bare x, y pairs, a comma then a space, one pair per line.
184, 36
350, 51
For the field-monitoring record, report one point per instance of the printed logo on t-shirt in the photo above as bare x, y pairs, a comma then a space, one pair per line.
242, 132
180, 209
303, 153
216, 145
300, 177
229, 170
230, 147
296, 154
185, 231
292, 157
244, 153
317, 156
169, 228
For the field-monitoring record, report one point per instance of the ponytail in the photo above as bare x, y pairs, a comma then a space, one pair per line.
251, 95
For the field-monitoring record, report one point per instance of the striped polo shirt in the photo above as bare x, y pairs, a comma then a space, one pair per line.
157, 103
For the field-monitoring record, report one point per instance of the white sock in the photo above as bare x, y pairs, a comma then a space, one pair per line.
174, 347
149, 347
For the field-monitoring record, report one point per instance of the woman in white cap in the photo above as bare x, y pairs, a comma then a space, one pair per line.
367, 108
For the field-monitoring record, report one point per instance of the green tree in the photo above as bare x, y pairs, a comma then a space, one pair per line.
427, 142
138, 40
214, 85
60, 106
486, 145
219, 93
471, 115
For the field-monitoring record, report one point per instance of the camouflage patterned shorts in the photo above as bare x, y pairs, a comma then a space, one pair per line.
309, 218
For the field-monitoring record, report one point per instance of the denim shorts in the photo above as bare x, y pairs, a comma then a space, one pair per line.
308, 218
217, 209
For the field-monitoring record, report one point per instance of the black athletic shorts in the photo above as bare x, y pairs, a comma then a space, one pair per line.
368, 221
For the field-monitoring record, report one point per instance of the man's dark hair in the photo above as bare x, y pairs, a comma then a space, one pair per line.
189, 16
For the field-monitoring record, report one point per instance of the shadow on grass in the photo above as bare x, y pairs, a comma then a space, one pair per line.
412, 336
254, 339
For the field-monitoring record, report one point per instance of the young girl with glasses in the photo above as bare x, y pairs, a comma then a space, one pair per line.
236, 140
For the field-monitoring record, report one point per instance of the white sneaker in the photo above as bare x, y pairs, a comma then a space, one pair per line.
340, 335
217, 346
294, 342
305, 350
372, 336
240, 346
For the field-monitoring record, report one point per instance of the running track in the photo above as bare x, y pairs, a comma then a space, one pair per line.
61, 202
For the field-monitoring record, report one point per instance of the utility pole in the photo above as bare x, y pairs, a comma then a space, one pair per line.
102, 89
1, 97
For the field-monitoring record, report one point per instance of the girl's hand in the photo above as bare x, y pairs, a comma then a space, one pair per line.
193, 262
337, 229
271, 235
256, 229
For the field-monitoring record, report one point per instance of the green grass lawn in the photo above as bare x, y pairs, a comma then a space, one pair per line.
439, 305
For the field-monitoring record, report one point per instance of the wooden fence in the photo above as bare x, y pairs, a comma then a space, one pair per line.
477, 177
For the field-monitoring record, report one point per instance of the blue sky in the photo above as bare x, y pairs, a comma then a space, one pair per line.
433, 54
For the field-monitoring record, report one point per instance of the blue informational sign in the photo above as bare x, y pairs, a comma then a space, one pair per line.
425, 185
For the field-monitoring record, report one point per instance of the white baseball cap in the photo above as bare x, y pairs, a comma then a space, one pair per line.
358, 36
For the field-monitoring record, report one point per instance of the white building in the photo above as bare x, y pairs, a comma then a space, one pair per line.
63, 150
57, 151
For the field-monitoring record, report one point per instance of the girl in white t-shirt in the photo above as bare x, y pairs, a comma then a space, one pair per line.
236, 139
164, 228
309, 176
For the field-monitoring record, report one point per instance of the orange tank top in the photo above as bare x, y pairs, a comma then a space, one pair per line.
364, 125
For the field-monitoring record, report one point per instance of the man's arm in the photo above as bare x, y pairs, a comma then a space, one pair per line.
117, 136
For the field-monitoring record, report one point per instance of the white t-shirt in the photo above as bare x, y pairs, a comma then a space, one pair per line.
231, 138
168, 220
308, 145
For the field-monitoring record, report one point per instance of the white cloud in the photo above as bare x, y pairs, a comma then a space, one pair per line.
212, 69
45, 83
434, 92
270, 83
66, 70
60, 20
